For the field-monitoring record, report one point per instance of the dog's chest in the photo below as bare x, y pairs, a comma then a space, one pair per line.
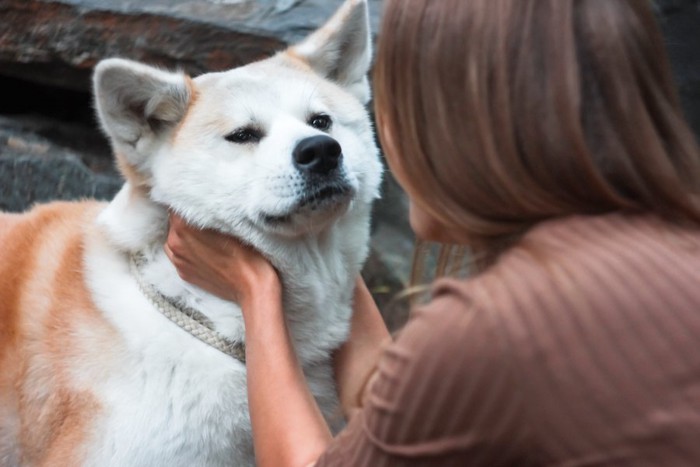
186, 408
178, 402
171, 399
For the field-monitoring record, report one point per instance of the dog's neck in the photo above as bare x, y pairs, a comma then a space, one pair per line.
136, 224
133, 222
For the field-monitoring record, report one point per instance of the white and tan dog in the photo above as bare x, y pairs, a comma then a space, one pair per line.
279, 153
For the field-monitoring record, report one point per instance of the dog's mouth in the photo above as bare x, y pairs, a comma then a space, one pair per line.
314, 200
324, 195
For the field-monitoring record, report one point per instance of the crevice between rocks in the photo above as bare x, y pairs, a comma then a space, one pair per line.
51, 147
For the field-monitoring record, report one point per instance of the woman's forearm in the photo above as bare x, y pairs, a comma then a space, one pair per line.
288, 427
357, 358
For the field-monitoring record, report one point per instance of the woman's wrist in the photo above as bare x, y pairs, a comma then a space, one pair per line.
262, 298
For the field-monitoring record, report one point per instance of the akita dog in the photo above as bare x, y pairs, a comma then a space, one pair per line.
107, 357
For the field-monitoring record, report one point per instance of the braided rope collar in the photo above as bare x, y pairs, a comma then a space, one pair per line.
188, 319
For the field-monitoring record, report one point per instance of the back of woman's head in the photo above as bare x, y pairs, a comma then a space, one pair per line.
503, 113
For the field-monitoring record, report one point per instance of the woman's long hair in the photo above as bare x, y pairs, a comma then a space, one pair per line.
505, 113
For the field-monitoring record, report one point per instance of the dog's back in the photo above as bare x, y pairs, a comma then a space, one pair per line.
7, 221
47, 321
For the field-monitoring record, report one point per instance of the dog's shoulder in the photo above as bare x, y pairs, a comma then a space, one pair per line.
41, 250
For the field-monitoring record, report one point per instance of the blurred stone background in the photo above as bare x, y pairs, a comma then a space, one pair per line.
50, 147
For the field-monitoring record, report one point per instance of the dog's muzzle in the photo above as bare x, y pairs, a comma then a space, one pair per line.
318, 160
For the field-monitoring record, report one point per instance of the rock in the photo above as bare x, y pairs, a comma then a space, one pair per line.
666, 7
680, 21
392, 238
25, 180
34, 169
58, 42
385, 287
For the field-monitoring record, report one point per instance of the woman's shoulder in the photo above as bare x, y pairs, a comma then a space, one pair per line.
572, 288
589, 260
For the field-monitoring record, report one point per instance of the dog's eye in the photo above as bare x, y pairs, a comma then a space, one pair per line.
245, 136
321, 122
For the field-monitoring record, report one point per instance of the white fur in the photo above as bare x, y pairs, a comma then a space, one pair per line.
169, 399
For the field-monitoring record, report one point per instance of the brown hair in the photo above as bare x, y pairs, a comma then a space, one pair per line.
505, 113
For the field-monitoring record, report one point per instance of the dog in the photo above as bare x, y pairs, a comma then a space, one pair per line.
108, 358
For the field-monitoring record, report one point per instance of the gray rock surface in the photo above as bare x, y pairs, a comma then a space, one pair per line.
680, 21
34, 169
58, 42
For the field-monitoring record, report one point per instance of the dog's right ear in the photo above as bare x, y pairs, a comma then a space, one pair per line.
138, 106
341, 50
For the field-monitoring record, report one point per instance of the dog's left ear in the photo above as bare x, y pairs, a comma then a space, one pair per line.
342, 49
138, 106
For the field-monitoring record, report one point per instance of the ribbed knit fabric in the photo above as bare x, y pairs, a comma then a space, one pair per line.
580, 347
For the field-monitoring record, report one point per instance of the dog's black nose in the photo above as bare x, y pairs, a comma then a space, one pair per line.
318, 154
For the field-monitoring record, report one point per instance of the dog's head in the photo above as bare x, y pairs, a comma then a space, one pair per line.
284, 145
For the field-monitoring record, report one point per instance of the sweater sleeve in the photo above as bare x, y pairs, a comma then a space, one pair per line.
444, 395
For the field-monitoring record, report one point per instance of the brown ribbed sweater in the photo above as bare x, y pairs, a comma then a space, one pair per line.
580, 347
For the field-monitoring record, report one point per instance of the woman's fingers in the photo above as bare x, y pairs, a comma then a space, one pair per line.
216, 262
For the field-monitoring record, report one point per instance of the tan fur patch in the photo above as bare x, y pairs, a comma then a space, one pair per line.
194, 96
130, 173
295, 59
17, 245
7, 221
13, 269
44, 316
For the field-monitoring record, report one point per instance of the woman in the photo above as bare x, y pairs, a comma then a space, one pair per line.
545, 135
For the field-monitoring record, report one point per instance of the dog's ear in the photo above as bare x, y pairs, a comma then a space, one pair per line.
341, 50
138, 106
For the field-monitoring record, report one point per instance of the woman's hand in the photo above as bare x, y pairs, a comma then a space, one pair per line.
220, 264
